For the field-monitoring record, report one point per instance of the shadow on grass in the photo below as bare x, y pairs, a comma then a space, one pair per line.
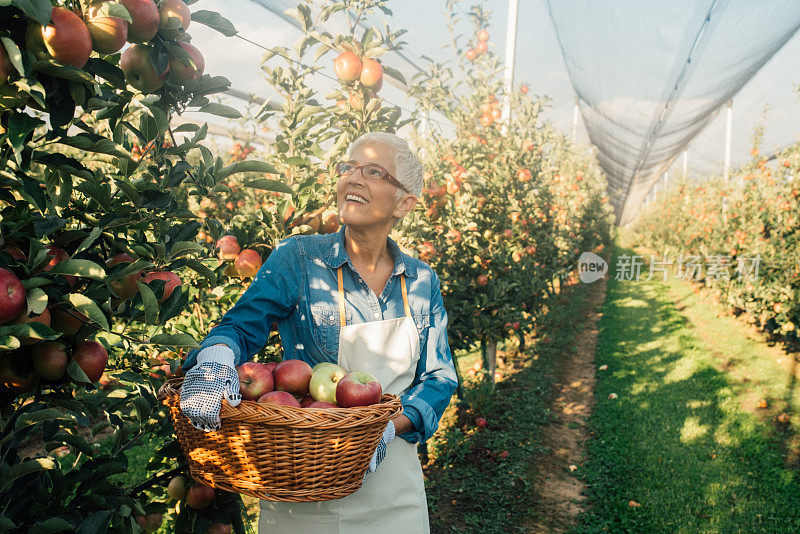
675, 440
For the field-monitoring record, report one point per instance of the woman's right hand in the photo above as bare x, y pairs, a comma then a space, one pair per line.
207, 383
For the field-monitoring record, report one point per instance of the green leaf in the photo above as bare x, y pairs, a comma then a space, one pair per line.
246, 166
9, 342
394, 73
63, 163
215, 21
38, 10
200, 269
175, 340
19, 126
52, 526
221, 110
90, 239
150, 303
67, 72
269, 185
83, 268
14, 54
37, 300
32, 330
39, 416
75, 372
101, 145
113, 9
96, 522
184, 247
76, 441
87, 306
186, 127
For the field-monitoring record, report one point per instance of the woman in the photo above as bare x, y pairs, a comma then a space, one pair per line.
352, 298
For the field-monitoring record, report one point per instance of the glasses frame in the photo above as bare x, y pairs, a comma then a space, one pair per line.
385, 176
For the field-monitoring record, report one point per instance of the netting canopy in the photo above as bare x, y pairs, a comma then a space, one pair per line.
650, 75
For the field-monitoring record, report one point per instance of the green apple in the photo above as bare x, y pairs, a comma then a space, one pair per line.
324, 379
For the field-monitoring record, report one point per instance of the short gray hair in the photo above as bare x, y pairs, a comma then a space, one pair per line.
408, 169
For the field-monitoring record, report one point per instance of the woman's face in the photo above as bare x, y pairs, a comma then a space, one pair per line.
364, 201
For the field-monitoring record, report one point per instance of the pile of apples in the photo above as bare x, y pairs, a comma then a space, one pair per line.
246, 263
295, 383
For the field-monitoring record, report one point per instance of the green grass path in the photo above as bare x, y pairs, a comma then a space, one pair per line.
680, 439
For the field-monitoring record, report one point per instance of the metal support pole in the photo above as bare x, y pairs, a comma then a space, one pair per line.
575, 112
685, 163
511, 48
728, 137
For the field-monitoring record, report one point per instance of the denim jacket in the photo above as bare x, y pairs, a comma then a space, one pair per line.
297, 288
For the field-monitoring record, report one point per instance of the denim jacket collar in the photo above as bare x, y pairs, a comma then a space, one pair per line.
338, 256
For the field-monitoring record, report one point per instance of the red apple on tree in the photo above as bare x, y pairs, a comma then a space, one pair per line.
56, 256
280, 398
481, 280
347, 66
126, 286
171, 281
200, 496
247, 263
108, 33
92, 357
66, 39
358, 389
151, 522
255, 380
139, 71
371, 73
5, 65
324, 378
180, 71
12, 296
174, 18
176, 488
50, 360
67, 321
228, 247
145, 17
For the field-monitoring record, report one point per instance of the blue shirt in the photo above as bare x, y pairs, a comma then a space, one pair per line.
297, 288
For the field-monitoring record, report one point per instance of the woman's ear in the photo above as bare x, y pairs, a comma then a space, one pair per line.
405, 205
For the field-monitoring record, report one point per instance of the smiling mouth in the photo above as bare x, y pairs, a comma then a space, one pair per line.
355, 199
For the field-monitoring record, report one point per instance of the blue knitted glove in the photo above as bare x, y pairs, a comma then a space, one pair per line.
380, 451
206, 384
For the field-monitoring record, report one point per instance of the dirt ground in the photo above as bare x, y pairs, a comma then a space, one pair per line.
559, 493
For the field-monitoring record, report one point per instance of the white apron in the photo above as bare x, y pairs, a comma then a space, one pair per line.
392, 499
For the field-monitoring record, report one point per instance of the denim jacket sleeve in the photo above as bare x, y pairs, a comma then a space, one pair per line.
435, 379
271, 296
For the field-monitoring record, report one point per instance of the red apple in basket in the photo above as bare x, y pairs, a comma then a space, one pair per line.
305, 401
292, 376
271, 366
199, 496
281, 398
255, 379
324, 379
322, 404
358, 389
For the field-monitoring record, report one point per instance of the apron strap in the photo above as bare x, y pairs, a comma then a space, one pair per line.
405, 295
342, 320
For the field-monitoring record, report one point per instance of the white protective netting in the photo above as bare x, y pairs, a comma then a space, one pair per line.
651, 75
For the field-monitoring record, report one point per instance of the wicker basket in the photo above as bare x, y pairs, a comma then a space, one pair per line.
280, 453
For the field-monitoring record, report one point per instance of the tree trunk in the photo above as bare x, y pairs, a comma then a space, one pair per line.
490, 357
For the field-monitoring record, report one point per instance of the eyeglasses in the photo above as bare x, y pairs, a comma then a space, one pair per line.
371, 171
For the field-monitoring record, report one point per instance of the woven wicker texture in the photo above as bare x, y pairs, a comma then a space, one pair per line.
281, 453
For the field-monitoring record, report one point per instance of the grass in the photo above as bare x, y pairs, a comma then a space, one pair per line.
681, 439
471, 485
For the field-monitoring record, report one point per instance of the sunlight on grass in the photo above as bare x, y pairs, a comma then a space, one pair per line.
693, 429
